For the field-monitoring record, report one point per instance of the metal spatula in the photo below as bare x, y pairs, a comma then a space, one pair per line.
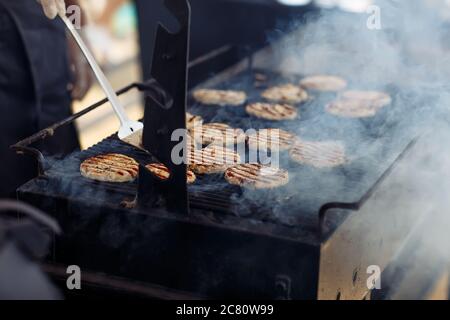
130, 131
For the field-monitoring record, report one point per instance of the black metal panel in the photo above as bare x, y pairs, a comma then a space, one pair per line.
163, 118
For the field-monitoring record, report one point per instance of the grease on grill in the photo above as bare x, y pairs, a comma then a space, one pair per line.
272, 111
111, 167
257, 176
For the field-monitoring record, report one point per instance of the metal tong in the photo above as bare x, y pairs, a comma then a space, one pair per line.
130, 131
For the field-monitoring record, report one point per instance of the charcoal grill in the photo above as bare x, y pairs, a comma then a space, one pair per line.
212, 240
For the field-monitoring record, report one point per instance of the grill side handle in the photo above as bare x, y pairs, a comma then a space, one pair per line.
25, 146
327, 210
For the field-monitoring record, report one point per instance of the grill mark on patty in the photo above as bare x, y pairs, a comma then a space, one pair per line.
130, 167
376, 98
213, 159
92, 167
256, 175
271, 111
210, 156
289, 93
163, 173
359, 104
265, 138
252, 173
217, 133
352, 108
319, 154
324, 83
106, 167
220, 97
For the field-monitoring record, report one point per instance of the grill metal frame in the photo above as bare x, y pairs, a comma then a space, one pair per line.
210, 253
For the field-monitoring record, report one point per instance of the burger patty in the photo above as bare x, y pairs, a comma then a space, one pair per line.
271, 139
110, 168
217, 134
271, 111
163, 173
256, 176
374, 99
323, 83
287, 93
220, 97
192, 120
351, 109
213, 159
327, 154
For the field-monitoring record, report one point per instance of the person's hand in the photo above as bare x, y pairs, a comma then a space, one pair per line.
82, 76
53, 7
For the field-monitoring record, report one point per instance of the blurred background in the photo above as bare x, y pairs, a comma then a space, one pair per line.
113, 32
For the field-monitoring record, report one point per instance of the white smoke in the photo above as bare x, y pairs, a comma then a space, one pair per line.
408, 56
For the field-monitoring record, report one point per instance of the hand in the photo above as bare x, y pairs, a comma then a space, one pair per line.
83, 77
53, 7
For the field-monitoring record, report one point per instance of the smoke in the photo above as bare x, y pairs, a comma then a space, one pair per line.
408, 57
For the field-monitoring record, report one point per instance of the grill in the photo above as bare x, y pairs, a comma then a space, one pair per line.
228, 241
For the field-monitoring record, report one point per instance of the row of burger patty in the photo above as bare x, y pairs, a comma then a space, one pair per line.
211, 146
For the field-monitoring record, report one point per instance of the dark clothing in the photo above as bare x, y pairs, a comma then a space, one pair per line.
34, 77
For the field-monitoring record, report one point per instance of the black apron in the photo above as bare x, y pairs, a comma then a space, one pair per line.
34, 78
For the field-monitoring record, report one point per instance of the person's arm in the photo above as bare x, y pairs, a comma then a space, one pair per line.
83, 77
82, 74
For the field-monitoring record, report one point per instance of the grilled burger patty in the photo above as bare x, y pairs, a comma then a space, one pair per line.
256, 176
272, 111
212, 159
351, 109
375, 99
271, 139
287, 93
220, 97
163, 173
327, 154
218, 134
110, 168
192, 120
323, 83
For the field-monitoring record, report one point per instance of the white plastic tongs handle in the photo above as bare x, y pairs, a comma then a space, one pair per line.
127, 126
